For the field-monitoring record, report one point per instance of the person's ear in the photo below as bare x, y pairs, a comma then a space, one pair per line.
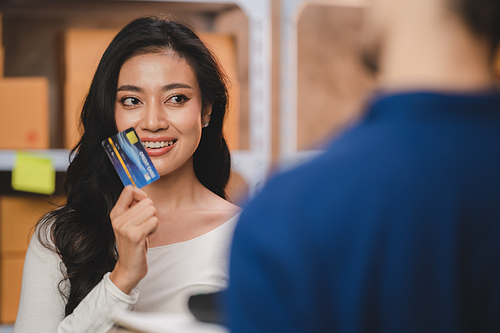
206, 115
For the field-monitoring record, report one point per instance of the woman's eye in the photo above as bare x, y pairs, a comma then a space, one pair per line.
130, 101
177, 99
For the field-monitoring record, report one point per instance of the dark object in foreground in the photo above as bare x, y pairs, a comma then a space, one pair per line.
207, 308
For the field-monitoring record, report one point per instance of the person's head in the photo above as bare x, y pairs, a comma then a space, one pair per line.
184, 68
482, 17
388, 18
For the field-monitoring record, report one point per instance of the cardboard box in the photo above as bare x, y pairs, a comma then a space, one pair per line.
83, 49
11, 274
18, 216
24, 113
225, 50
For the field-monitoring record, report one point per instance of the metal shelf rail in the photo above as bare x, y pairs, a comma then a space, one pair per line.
60, 158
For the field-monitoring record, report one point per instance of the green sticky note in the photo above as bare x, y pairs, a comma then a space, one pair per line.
33, 173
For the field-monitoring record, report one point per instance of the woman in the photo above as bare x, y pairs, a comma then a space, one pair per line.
147, 249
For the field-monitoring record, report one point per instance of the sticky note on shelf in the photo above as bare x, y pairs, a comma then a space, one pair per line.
33, 173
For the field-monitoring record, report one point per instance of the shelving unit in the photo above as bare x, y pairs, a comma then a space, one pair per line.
252, 164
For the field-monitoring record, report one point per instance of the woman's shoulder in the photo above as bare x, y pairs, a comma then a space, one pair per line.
228, 211
42, 252
225, 211
43, 228
218, 216
42, 239
223, 205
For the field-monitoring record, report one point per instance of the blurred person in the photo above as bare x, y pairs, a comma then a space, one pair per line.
148, 249
396, 227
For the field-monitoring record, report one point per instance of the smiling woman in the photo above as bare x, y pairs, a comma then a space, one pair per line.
158, 95
144, 249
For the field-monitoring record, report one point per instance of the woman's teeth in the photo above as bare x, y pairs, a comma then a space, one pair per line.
157, 144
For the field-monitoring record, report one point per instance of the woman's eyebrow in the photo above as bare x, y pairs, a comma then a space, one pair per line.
167, 87
128, 87
175, 86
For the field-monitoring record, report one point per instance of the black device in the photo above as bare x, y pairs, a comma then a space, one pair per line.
207, 308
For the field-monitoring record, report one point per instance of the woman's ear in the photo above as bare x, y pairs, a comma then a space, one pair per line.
206, 115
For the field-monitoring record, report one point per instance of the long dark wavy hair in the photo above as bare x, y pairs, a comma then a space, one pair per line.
81, 232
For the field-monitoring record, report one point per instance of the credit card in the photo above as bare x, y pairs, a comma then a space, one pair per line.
130, 159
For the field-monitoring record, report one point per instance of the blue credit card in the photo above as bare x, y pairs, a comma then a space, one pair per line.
130, 159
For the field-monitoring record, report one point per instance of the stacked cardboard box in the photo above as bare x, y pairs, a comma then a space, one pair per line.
18, 215
83, 48
225, 50
24, 125
24, 113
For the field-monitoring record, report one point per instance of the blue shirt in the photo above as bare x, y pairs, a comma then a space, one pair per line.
395, 228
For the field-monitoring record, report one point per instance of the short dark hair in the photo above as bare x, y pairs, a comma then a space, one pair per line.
482, 17
81, 231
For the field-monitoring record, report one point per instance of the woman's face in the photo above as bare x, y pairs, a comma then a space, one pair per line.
158, 95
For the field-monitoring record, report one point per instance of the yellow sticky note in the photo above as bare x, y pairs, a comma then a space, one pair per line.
33, 173
132, 137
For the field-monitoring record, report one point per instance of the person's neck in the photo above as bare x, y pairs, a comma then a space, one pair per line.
438, 53
177, 189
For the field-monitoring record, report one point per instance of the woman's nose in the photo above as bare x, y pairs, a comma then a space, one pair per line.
155, 118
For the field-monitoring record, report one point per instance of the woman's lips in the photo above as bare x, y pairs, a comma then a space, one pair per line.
154, 145
159, 151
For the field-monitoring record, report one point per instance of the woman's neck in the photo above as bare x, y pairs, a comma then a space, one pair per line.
184, 207
176, 189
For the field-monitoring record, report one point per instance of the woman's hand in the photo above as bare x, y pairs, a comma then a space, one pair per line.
133, 219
